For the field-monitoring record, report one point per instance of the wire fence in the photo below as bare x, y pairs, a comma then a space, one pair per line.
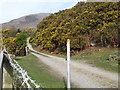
21, 79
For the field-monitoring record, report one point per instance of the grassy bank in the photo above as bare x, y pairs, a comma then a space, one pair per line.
98, 56
40, 72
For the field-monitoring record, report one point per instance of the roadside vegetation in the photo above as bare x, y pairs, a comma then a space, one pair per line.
99, 57
85, 24
40, 72
14, 41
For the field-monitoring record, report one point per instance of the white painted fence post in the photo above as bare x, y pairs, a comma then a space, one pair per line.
1, 77
1, 70
26, 49
68, 64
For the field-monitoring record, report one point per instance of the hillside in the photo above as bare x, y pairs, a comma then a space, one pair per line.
85, 23
25, 22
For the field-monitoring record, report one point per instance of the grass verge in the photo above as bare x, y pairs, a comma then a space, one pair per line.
97, 56
7, 81
40, 72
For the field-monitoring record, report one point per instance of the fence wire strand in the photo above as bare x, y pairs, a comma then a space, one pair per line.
23, 75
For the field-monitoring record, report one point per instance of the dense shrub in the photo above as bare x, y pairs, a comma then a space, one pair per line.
85, 23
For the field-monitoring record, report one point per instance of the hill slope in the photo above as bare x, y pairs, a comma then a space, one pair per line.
25, 22
85, 23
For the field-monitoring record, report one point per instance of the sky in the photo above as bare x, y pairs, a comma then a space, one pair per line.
13, 9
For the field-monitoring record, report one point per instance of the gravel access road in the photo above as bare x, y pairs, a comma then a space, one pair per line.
82, 74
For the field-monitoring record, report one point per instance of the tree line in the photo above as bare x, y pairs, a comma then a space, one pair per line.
14, 41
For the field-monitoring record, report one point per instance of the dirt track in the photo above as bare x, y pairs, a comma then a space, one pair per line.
82, 75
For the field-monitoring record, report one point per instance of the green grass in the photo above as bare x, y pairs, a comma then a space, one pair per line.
7, 81
98, 57
40, 72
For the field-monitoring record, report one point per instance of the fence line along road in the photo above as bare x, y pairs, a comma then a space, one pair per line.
19, 73
24, 75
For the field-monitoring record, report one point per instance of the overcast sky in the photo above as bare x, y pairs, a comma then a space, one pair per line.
12, 9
